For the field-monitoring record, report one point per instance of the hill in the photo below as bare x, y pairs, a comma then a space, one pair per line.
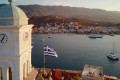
76, 12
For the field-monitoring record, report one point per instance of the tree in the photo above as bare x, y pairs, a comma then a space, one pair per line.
72, 79
77, 78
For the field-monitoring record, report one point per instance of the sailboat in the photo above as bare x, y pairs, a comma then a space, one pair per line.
49, 36
112, 55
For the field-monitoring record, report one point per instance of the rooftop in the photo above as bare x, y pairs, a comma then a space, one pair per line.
92, 71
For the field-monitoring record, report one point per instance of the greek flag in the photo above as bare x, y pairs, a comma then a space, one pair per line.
49, 51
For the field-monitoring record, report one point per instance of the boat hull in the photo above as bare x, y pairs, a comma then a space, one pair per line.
116, 59
95, 36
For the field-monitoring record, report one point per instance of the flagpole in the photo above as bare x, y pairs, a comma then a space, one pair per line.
47, 51
44, 57
44, 64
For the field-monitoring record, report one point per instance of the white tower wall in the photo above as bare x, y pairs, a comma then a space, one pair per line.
16, 52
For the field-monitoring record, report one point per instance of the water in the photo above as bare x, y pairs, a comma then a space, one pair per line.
75, 50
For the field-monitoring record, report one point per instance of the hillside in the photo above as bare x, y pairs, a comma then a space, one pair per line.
76, 12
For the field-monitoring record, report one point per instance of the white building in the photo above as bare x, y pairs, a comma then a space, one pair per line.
15, 43
92, 73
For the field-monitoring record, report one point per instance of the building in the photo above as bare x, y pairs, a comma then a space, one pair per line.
110, 78
15, 43
92, 73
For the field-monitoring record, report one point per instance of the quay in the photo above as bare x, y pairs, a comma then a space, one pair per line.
89, 73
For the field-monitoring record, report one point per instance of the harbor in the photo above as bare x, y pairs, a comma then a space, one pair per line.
77, 50
39, 42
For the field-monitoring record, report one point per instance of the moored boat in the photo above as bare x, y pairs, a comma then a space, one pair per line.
95, 36
49, 36
112, 34
112, 56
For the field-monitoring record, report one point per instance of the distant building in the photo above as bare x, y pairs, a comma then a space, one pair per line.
92, 73
110, 78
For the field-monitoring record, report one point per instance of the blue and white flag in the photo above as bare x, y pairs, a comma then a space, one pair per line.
49, 52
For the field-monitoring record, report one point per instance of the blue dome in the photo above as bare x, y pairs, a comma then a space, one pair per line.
6, 11
12, 15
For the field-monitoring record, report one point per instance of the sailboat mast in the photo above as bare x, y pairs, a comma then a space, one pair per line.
113, 47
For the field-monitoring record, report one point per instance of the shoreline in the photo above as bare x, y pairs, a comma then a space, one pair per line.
74, 73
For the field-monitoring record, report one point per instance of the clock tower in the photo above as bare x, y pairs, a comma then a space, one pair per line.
15, 43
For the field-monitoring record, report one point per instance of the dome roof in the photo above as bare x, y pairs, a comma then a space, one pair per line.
12, 15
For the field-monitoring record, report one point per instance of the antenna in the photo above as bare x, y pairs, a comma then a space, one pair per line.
11, 1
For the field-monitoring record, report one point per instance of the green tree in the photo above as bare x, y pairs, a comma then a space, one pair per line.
78, 78
72, 79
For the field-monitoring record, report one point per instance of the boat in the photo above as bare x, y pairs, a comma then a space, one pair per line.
95, 36
112, 34
112, 55
42, 39
49, 36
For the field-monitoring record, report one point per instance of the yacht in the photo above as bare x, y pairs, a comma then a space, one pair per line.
113, 56
95, 36
49, 36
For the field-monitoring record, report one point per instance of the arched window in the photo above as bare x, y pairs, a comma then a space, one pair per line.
9, 73
0, 73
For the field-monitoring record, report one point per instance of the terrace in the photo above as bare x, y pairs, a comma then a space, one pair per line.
92, 72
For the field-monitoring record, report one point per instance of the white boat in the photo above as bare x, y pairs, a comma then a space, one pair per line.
49, 36
112, 55
42, 39
95, 36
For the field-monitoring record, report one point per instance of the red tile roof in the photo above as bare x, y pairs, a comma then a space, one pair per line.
56, 74
71, 74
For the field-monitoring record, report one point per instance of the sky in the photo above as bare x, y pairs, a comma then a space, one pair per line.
110, 5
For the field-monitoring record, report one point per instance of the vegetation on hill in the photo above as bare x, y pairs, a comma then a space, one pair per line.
40, 15
44, 20
76, 12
